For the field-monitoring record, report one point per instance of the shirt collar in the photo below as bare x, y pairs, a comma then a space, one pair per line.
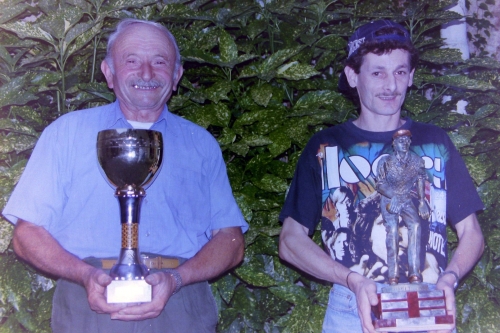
116, 118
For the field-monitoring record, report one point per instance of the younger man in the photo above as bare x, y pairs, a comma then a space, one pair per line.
380, 66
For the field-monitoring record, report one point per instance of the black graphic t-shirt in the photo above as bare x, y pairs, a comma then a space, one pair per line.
334, 184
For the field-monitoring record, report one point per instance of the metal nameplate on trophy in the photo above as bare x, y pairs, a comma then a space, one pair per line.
130, 160
410, 306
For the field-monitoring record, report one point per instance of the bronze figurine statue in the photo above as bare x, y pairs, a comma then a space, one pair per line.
398, 173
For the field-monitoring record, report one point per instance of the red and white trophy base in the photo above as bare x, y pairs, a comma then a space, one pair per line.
411, 307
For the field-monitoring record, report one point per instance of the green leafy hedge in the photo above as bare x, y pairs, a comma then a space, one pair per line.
262, 77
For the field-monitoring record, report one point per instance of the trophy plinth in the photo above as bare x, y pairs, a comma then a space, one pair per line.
411, 307
130, 160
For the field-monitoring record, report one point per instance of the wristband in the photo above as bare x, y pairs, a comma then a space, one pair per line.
347, 279
455, 285
177, 277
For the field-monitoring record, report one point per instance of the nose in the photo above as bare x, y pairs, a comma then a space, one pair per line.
390, 83
146, 71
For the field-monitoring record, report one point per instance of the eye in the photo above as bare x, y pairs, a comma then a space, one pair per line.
401, 72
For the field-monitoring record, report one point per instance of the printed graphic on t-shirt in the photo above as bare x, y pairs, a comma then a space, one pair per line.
353, 230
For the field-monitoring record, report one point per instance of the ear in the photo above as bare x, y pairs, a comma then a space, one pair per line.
351, 76
177, 77
410, 82
108, 73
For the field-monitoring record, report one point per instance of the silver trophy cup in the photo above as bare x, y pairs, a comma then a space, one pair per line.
130, 160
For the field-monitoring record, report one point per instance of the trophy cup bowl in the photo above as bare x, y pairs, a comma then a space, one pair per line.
130, 160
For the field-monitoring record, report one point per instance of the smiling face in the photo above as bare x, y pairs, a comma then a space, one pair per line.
382, 82
143, 74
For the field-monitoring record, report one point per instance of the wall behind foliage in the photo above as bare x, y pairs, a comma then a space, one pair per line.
261, 76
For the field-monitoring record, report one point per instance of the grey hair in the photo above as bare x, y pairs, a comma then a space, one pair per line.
130, 21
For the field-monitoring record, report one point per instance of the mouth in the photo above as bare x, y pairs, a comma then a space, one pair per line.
388, 97
145, 87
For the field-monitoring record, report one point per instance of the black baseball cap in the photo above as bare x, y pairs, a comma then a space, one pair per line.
371, 31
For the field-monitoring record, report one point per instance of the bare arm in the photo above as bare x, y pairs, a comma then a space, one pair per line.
297, 248
469, 251
35, 245
223, 252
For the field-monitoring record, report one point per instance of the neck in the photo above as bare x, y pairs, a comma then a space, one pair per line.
401, 156
379, 123
142, 116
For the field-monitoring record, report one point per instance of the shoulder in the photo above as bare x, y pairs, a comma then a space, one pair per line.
187, 127
330, 135
83, 116
424, 129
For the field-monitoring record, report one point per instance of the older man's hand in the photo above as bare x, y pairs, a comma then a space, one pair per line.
163, 287
95, 282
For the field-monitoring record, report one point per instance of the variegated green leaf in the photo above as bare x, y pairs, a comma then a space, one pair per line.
256, 140
317, 98
6, 229
12, 10
28, 30
227, 47
486, 110
296, 71
281, 143
480, 167
416, 103
218, 91
442, 56
13, 93
80, 35
462, 82
45, 78
16, 143
290, 292
239, 148
59, 23
227, 137
271, 183
254, 277
278, 58
262, 94
332, 42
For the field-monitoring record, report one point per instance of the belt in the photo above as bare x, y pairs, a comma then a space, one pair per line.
151, 263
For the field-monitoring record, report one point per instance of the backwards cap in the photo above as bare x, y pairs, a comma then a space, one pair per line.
369, 31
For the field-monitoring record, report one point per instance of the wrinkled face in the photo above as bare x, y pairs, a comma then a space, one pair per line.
402, 144
143, 74
382, 82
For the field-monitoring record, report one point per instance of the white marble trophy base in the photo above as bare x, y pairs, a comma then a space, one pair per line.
128, 291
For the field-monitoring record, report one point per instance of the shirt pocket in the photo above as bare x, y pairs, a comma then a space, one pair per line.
189, 198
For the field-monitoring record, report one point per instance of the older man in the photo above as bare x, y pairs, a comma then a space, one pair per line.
67, 220
380, 68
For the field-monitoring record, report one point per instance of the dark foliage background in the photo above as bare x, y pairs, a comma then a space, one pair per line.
261, 76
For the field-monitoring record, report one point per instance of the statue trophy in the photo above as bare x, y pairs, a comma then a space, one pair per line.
130, 160
407, 306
